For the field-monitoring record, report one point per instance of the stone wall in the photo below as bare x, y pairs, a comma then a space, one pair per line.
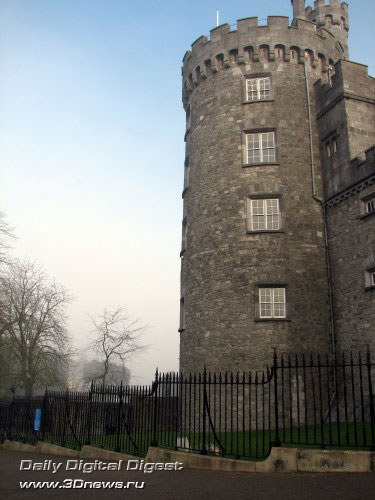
352, 254
223, 263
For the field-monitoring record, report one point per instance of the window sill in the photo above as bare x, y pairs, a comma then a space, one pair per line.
368, 288
181, 330
182, 252
266, 231
259, 100
263, 164
184, 192
260, 320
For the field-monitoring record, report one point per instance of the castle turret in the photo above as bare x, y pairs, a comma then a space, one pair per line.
332, 17
298, 9
253, 257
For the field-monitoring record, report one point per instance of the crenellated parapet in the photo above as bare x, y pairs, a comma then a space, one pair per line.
252, 43
349, 80
333, 17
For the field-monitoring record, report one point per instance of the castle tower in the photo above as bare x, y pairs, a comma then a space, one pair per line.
333, 17
253, 258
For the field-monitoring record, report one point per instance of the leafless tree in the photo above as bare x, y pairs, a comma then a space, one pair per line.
32, 325
6, 234
117, 338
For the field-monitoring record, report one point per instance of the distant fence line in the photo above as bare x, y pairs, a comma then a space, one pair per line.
300, 400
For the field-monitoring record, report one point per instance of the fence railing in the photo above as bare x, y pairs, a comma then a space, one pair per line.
298, 401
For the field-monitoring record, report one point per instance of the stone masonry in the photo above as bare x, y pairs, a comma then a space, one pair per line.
226, 261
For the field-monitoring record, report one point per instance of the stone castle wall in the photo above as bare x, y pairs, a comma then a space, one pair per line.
222, 262
318, 99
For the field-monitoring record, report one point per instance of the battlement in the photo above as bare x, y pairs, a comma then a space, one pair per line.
348, 79
332, 15
252, 42
359, 174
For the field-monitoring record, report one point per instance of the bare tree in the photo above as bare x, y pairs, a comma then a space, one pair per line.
32, 323
117, 338
6, 234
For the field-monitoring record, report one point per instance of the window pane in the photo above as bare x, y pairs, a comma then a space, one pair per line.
265, 310
257, 207
272, 206
253, 141
279, 295
269, 155
264, 84
279, 310
251, 84
258, 223
265, 295
268, 140
272, 222
254, 156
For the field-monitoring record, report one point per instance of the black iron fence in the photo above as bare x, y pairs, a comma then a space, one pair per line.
298, 401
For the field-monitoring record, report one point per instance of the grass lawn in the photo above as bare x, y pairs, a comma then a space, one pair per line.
248, 444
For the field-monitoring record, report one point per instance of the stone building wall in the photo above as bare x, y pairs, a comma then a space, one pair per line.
352, 255
223, 261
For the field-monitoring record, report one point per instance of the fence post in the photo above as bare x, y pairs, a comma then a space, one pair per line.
66, 416
89, 419
275, 367
204, 448
11, 414
44, 418
120, 393
371, 396
154, 440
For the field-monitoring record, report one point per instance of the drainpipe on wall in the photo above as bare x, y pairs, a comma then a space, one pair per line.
325, 224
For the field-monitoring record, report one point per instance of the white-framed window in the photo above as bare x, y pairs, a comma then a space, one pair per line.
264, 214
272, 302
261, 147
258, 89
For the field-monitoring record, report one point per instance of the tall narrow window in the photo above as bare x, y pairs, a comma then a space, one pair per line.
258, 89
261, 147
264, 214
272, 303
370, 205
